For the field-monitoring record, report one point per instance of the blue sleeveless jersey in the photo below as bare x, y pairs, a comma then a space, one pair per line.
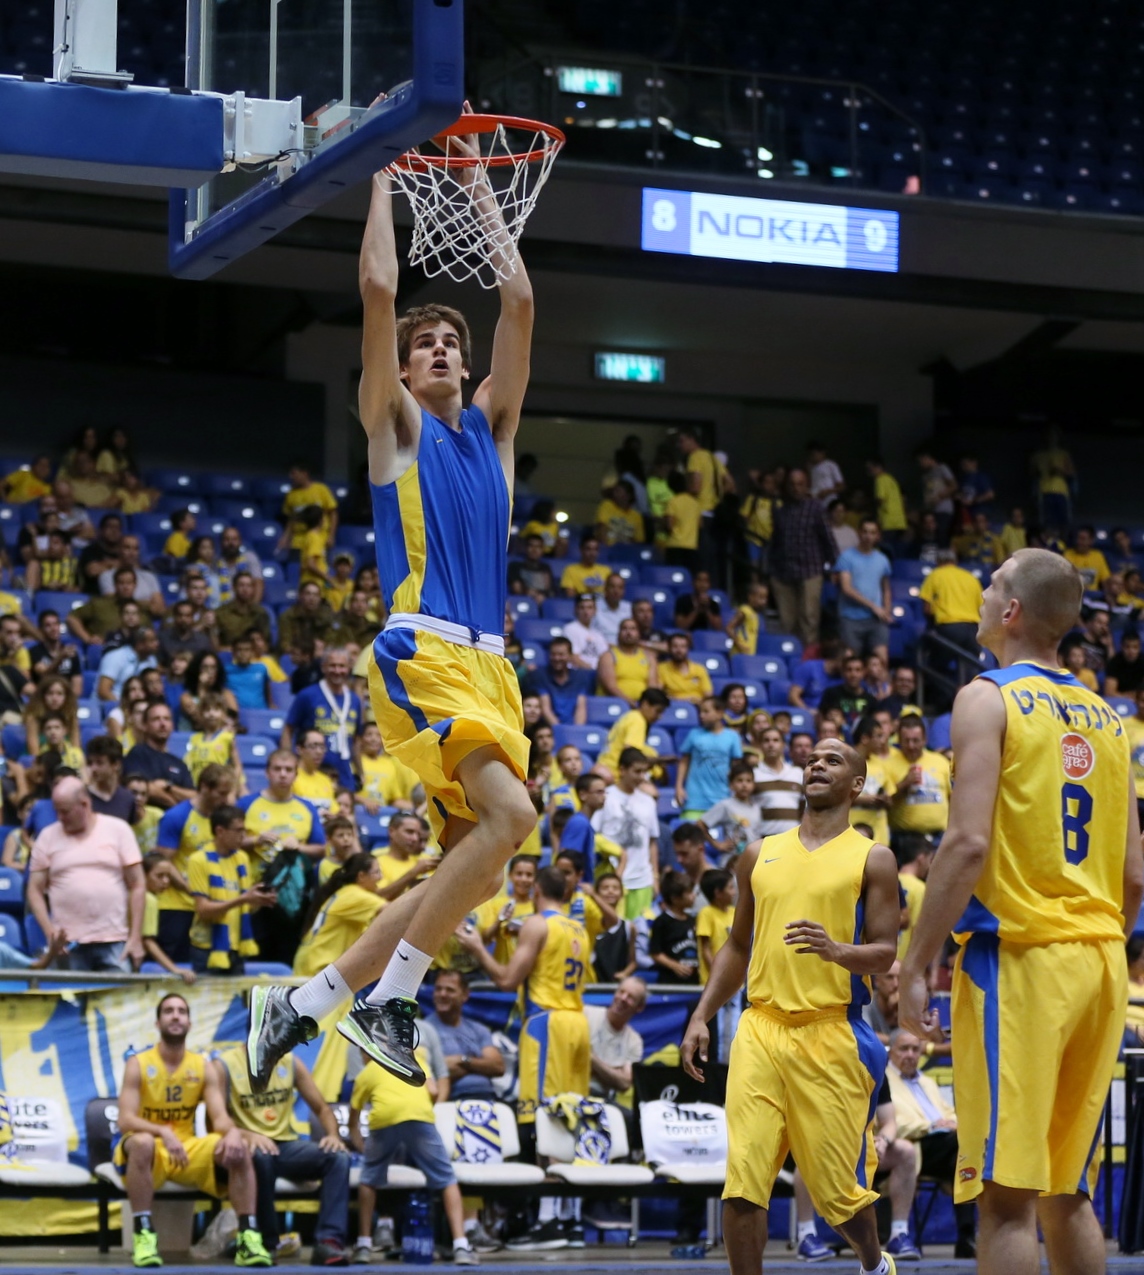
441, 529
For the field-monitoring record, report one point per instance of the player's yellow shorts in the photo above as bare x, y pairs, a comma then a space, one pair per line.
555, 1057
200, 1171
810, 1089
435, 702
1036, 1032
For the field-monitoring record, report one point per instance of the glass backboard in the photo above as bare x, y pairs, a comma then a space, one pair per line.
323, 62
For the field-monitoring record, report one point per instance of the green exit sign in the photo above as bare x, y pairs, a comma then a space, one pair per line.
648, 368
589, 81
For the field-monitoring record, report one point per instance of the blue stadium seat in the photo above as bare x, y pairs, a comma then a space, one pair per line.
755, 692
12, 742
661, 740
13, 935
155, 969
801, 720
909, 570
11, 885
35, 940
236, 512
760, 668
667, 577
277, 593
268, 969
254, 750
90, 710
359, 539
174, 480
656, 594
262, 536
1118, 703
225, 486
538, 630
604, 710
937, 737
272, 490
559, 609
178, 742
715, 664
778, 692
172, 504
523, 606
255, 779
679, 713
47, 600
592, 738
783, 644
373, 830
155, 526
267, 722
666, 807
709, 640
630, 555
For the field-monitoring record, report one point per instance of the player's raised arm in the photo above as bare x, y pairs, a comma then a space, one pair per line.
977, 733
383, 403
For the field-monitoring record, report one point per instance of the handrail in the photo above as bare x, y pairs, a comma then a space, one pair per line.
947, 685
653, 71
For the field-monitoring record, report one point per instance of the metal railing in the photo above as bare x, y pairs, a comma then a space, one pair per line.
673, 116
967, 666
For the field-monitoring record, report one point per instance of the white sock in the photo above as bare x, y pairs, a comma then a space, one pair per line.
322, 995
463, 1242
805, 1229
548, 1207
899, 1227
883, 1268
403, 975
364, 1241
471, 1224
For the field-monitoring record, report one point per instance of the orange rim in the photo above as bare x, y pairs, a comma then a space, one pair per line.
485, 124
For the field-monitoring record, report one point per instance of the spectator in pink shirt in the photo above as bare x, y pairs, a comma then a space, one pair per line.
91, 868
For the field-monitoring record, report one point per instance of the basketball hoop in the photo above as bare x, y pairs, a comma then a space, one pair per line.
469, 211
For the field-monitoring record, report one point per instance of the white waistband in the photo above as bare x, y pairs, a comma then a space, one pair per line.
493, 643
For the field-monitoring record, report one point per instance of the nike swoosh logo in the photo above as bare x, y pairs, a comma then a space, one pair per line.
329, 984
403, 956
770, 860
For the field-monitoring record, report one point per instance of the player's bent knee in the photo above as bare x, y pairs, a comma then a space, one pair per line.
141, 1147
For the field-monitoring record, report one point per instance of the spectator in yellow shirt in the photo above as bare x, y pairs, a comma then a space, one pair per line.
923, 782
704, 477
952, 599
713, 924
30, 482
1088, 560
178, 543
679, 675
587, 575
312, 547
749, 620
1073, 658
682, 517
891, 509
618, 521
542, 522
305, 491
630, 731
312, 783
339, 587
1013, 533
980, 545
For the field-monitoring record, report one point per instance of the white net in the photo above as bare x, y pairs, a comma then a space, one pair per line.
468, 216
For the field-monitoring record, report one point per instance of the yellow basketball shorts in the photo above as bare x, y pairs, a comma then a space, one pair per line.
200, 1171
1036, 1031
435, 702
812, 1090
555, 1057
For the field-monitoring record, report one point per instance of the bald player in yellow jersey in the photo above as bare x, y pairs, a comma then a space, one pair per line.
817, 916
162, 1087
1042, 864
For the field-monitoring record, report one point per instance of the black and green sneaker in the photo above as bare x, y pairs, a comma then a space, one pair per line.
251, 1251
274, 1029
145, 1250
388, 1034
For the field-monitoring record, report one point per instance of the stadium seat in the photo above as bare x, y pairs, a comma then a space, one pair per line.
559, 609
800, 720
373, 830
35, 940
679, 713
603, 710
759, 668
676, 578
267, 722
556, 1143
238, 512
173, 480
785, 645
538, 630
778, 692
254, 750
709, 640
661, 740
12, 740
47, 600
755, 692
666, 807
178, 742
224, 486
1118, 703
522, 606
11, 885
10, 931
716, 665
937, 737
587, 737
507, 1171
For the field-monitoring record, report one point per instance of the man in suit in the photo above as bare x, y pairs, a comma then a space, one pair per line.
927, 1120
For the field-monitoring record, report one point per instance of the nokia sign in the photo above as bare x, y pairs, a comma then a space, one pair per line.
769, 230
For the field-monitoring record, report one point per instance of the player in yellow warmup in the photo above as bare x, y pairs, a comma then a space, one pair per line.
1042, 864
551, 957
817, 915
161, 1088
445, 697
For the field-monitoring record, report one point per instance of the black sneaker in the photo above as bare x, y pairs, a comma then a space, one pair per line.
275, 1028
542, 1235
329, 1253
573, 1233
388, 1034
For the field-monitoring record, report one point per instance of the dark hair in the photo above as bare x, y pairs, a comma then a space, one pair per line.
655, 697
630, 757
690, 832
673, 885
520, 858
194, 672
171, 996
179, 517
560, 818
583, 781
740, 766
909, 846
714, 880
428, 316
560, 641
310, 516
551, 883
575, 858
224, 816
446, 972
196, 548
796, 734
608, 876
152, 859
731, 686
347, 874
677, 483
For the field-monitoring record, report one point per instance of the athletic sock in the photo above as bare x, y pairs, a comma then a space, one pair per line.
325, 993
247, 1222
549, 1205
463, 1242
899, 1227
883, 1268
403, 975
364, 1241
143, 1221
805, 1229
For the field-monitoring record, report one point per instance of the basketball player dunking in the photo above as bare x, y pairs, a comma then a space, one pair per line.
1042, 863
444, 695
805, 1069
